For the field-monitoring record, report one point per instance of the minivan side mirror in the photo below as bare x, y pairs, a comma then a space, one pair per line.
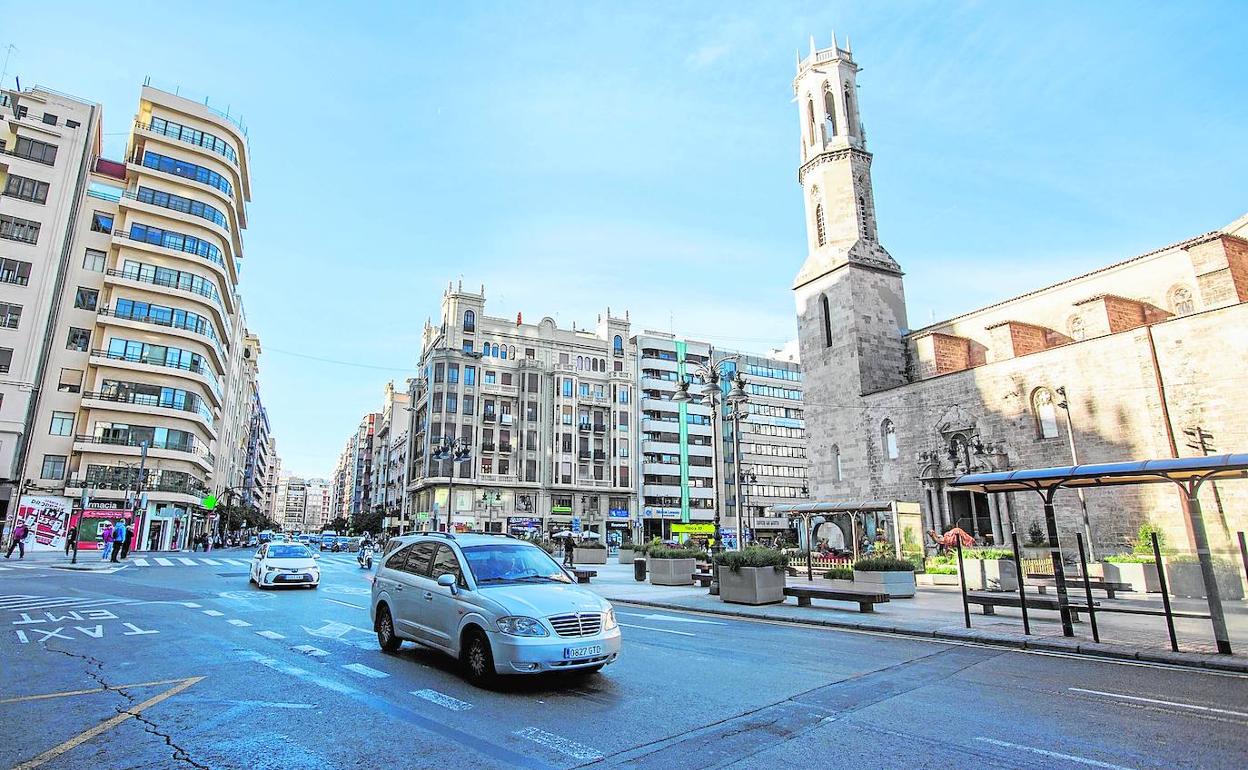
448, 580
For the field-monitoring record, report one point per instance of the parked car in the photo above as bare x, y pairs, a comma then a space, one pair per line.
284, 564
498, 604
327, 540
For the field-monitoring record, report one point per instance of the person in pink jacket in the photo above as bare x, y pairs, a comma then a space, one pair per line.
107, 536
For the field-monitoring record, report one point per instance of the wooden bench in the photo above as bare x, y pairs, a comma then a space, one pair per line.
1076, 584
703, 579
989, 601
866, 600
583, 575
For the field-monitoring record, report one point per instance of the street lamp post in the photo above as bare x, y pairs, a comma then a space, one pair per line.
457, 451
1064, 405
711, 379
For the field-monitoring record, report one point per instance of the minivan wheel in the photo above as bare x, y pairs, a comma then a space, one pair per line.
386, 638
478, 660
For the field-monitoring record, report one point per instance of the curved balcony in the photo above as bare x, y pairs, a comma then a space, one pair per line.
131, 201
173, 288
129, 446
174, 244
183, 494
181, 329
140, 403
135, 363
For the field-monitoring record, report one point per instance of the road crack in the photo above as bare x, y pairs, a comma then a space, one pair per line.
95, 671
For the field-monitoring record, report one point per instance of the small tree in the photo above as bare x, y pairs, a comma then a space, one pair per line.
339, 524
1035, 534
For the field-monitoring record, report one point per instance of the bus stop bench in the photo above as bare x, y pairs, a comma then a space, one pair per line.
1076, 584
583, 575
990, 601
866, 600
703, 579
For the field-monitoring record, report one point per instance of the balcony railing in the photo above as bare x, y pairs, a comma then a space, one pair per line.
172, 446
216, 260
600, 427
169, 283
488, 417
507, 448
583, 427
184, 134
487, 446
122, 485
583, 454
599, 456
205, 331
191, 403
141, 360
6, 151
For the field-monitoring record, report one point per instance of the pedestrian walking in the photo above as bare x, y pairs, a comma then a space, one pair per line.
131, 535
106, 535
569, 551
71, 539
18, 541
119, 539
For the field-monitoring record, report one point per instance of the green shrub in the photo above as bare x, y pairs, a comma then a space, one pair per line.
840, 573
883, 564
664, 552
987, 553
942, 569
942, 560
1143, 543
753, 556
643, 549
1130, 558
1035, 534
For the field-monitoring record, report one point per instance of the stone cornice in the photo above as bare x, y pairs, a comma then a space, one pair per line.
830, 156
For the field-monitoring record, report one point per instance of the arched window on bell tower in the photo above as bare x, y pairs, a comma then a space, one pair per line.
863, 230
827, 320
810, 120
829, 109
851, 114
821, 232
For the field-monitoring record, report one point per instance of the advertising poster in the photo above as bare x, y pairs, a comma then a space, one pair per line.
48, 521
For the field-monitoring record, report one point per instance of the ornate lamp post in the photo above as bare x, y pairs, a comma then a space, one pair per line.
457, 451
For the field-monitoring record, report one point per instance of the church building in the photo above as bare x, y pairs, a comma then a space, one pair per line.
1145, 358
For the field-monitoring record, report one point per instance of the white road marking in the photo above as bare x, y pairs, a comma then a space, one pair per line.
211, 562
192, 605
235, 562
186, 561
140, 562
1139, 699
237, 622
36, 603
270, 635
1054, 754
163, 562
345, 604
271, 704
660, 630
364, 670
307, 649
213, 613
443, 700
560, 744
672, 618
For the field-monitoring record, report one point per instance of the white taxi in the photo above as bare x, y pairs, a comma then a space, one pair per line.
284, 564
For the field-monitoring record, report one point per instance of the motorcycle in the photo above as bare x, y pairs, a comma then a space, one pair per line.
365, 557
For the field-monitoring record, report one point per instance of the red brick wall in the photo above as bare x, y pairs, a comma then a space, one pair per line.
1123, 314
1237, 260
952, 354
1027, 338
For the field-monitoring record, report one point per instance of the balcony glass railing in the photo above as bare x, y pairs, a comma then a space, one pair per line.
190, 136
180, 204
168, 398
188, 445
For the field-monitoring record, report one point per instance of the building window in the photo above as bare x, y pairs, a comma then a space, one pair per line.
33, 149
62, 424
836, 463
470, 321
810, 120
86, 299
851, 115
467, 346
618, 345
439, 372
93, 260
889, 434
1181, 300
53, 467
452, 374
829, 109
27, 189
14, 271
10, 315
827, 320
71, 381
18, 229
863, 228
1075, 326
820, 231
49, 119
1045, 412
79, 339
470, 375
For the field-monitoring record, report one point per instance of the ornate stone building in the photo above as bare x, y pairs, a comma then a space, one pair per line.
1139, 359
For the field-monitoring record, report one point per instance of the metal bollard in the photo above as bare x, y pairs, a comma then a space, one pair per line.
639, 569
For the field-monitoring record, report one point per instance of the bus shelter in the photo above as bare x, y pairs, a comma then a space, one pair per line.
1188, 474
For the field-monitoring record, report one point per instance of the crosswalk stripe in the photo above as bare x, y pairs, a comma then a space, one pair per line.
140, 562
235, 562
270, 635
211, 562
163, 562
61, 602
364, 670
186, 561
237, 622
308, 649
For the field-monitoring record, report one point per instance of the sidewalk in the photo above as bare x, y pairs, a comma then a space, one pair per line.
90, 561
936, 611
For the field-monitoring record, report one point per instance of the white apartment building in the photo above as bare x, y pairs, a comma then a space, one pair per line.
548, 415
316, 504
292, 500
389, 464
121, 326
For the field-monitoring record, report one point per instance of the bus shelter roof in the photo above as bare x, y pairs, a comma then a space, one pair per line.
1179, 470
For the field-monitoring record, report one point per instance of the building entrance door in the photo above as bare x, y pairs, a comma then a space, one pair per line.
969, 511
156, 535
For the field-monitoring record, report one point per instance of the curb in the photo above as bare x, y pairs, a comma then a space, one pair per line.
1199, 661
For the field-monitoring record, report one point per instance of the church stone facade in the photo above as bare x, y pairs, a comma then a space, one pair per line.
1141, 359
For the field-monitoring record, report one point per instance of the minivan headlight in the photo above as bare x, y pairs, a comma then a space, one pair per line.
517, 625
608, 620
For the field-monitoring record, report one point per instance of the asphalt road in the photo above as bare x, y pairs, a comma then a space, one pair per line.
223, 675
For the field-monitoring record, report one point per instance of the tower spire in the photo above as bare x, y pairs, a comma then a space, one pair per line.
849, 47
812, 46
835, 50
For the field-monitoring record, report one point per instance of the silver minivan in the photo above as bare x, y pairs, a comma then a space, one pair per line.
499, 604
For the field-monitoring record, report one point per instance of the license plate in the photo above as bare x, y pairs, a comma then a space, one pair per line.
582, 652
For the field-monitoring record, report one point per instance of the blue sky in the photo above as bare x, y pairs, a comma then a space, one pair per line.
567, 154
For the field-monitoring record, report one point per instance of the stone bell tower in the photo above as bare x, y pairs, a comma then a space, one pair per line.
850, 302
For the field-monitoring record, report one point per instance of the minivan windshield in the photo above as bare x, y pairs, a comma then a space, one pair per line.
512, 563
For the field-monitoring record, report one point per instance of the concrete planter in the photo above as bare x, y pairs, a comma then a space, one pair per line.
1141, 577
589, 555
1184, 579
898, 585
627, 555
671, 572
751, 585
933, 579
990, 575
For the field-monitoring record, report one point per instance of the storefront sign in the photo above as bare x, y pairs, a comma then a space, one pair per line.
560, 509
618, 513
662, 513
617, 525
92, 521
576, 523
47, 518
523, 522
770, 522
423, 515
693, 529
